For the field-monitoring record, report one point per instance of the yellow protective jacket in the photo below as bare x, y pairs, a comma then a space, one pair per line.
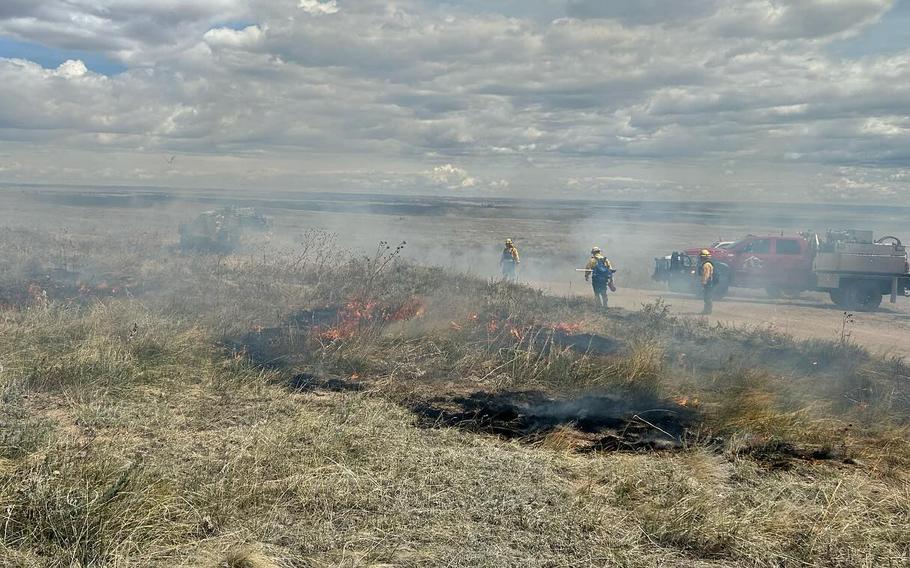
513, 251
707, 272
593, 262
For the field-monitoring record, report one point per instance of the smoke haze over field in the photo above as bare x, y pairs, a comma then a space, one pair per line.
732, 99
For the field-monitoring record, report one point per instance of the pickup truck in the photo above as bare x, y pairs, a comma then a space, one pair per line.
855, 270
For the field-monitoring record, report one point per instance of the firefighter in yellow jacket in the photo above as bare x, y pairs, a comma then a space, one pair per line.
509, 261
600, 271
706, 276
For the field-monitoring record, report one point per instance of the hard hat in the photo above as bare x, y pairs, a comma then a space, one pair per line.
705, 253
595, 250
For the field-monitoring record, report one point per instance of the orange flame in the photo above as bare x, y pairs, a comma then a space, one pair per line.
566, 327
357, 313
691, 402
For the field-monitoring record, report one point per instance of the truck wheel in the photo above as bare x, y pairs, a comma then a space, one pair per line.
838, 296
681, 285
720, 291
864, 297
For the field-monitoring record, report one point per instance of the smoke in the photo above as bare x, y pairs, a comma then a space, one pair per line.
461, 234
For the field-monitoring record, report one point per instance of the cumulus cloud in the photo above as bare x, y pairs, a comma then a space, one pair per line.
451, 177
72, 68
228, 37
556, 93
319, 8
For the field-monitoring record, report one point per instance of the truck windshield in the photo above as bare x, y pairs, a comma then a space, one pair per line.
757, 246
788, 246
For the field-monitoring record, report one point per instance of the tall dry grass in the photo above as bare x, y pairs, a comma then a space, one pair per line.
131, 437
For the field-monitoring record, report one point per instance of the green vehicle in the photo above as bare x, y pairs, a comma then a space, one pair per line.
220, 231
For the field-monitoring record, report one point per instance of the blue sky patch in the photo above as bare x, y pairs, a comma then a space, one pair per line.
51, 57
236, 26
889, 35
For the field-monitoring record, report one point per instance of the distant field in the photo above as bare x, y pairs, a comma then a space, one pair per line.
464, 233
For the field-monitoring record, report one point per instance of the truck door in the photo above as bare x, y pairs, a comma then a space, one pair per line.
792, 263
753, 264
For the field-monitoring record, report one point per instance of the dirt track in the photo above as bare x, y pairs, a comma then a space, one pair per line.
886, 331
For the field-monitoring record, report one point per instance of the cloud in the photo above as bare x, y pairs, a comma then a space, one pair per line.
228, 37
517, 93
318, 8
71, 69
642, 11
451, 177
798, 19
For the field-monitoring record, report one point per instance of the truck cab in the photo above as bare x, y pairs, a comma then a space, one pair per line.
779, 264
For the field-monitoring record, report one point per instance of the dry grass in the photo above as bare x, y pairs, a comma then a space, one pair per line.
130, 438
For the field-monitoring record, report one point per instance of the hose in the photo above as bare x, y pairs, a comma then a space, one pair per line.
896, 240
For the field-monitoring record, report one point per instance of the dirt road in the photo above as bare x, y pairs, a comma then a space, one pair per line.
812, 315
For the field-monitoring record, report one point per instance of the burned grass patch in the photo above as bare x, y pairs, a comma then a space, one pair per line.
782, 455
308, 382
595, 422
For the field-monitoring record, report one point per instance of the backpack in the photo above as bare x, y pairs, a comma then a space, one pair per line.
721, 273
715, 273
601, 272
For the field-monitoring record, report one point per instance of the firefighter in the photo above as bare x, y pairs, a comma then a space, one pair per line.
706, 274
509, 261
600, 271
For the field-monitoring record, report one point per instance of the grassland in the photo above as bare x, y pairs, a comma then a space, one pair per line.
309, 406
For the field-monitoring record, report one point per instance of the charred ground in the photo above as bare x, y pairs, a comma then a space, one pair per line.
287, 408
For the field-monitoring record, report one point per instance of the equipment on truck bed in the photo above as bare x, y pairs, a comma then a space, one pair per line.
858, 271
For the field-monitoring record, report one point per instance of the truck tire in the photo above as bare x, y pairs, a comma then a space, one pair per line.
863, 296
838, 296
721, 290
681, 285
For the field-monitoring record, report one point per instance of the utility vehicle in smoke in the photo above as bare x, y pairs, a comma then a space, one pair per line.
220, 231
856, 270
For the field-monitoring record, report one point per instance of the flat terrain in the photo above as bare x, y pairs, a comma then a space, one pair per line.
885, 332
464, 234
317, 400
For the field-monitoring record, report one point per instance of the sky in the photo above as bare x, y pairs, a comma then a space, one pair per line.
771, 100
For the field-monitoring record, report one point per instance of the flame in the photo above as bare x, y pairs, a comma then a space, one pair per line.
358, 312
688, 401
566, 327
336, 333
